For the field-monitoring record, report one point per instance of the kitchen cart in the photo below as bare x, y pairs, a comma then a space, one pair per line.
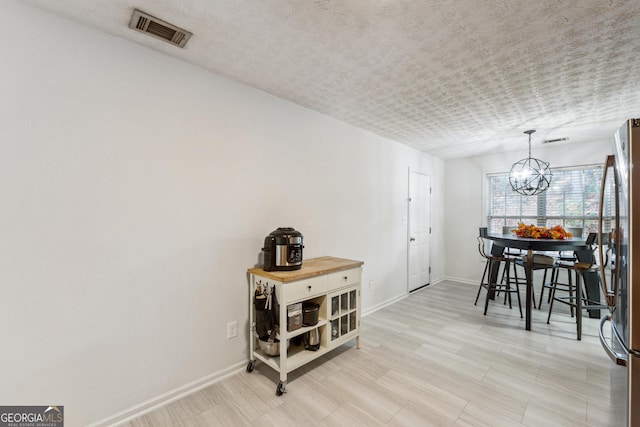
331, 283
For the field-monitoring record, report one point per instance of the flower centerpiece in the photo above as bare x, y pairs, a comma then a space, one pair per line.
532, 232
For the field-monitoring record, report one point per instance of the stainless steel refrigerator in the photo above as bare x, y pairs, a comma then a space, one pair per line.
621, 283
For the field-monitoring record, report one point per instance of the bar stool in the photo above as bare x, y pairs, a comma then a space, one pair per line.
536, 267
583, 266
489, 280
555, 284
516, 254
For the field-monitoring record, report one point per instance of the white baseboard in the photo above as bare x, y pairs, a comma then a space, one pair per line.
173, 395
383, 304
461, 280
438, 281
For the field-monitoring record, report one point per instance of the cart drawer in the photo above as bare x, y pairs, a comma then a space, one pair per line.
304, 289
343, 278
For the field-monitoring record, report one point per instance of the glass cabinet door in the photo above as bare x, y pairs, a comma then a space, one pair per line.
344, 305
344, 325
352, 320
335, 329
344, 318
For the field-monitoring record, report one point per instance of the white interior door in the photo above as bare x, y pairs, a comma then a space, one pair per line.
419, 230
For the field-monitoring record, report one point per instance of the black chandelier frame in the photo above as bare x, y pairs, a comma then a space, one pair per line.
530, 176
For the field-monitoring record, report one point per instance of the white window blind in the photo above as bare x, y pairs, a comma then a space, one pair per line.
572, 200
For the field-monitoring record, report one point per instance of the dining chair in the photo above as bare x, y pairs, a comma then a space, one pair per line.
537, 266
494, 259
515, 254
555, 282
583, 268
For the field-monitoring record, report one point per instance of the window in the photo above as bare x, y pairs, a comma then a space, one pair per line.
572, 200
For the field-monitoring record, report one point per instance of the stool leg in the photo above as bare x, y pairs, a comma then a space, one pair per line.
578, 305
515, 276
554, 280
533, 295
542, 291
571, 288
484, 273
504, 273
552, 294
554, 277
490, 286
517, 289
508, 289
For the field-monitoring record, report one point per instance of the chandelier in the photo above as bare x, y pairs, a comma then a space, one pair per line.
530, 176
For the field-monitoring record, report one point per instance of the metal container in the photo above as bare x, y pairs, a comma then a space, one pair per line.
310, 313
271, 348
312, 340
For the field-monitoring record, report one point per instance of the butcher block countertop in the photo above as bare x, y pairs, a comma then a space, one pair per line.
310, 268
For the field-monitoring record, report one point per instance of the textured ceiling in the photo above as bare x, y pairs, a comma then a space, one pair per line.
453, 78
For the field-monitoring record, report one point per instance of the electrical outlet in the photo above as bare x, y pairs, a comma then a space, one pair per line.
232, 329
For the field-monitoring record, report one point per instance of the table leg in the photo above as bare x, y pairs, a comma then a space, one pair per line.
528, 269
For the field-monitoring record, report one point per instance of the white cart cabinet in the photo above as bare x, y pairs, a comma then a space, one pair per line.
331, 283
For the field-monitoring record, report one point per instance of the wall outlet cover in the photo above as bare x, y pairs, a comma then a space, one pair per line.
232, 329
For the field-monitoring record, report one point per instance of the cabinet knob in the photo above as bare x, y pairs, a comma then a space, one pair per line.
345, 278
309, 287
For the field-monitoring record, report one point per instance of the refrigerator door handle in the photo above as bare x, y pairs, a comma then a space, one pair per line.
609, 296
617, 358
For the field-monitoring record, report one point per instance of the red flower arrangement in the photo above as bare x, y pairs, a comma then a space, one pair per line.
533, 232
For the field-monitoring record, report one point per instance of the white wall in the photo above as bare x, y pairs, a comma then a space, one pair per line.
137, 190
465, 194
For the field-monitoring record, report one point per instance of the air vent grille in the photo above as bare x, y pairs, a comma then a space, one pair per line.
158, 28
551, 141
142, 23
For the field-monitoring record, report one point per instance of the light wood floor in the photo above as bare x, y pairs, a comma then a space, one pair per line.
429, 359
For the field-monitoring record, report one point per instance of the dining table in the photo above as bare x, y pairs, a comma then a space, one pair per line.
531, 245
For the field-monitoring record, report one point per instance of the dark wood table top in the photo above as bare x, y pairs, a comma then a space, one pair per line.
513, 241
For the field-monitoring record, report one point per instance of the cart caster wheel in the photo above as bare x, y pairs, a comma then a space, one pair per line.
280, 390
251, 365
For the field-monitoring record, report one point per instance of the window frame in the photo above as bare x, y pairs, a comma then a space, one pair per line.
587, 220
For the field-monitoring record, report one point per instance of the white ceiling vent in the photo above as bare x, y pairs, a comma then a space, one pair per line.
158, 28
551, 141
